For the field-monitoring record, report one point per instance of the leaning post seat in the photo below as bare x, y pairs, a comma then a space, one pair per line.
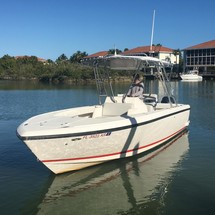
115, 109
131, 106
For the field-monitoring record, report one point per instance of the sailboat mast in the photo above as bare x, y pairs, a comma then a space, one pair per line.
152, 35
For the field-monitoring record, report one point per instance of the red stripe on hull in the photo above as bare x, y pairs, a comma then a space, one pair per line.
116, 153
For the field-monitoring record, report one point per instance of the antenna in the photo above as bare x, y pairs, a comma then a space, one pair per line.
115, 50
152, 35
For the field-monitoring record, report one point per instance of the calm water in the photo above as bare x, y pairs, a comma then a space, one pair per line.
178, 178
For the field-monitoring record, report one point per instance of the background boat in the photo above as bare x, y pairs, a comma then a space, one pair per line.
192, 75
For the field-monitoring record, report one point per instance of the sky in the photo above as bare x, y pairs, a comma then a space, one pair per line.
49, 28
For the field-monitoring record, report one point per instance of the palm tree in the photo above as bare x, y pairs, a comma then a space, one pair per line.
177, 53
113, 51
76, 57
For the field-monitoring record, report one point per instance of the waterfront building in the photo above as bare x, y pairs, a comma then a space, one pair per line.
28, 57
158, 51
201, 57
100, 54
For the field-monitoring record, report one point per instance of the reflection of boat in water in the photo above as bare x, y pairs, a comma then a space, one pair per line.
117, 187
192, 75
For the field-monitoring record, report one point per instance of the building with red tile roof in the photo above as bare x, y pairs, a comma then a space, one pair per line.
25, 56
147, 50
159, 51
200, 56
205, 45
98, 54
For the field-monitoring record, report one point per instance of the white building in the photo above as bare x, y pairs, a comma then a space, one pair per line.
161, 52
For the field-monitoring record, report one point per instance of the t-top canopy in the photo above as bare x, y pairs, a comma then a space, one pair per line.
120, 62
131, 62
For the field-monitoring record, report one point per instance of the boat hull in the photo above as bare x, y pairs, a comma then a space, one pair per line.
137, 134
191, 77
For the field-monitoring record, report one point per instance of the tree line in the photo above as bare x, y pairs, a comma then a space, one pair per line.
32, 68
62, 69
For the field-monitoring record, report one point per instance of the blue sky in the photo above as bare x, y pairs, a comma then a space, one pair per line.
49, 28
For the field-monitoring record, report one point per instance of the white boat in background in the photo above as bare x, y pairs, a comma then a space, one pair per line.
118, 127
192, 75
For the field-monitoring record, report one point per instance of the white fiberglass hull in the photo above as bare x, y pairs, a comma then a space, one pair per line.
191, 77
93, 141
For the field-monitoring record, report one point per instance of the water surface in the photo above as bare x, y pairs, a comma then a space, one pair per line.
178, 178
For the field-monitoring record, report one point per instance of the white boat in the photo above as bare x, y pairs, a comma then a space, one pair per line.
192, 75
117, 127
